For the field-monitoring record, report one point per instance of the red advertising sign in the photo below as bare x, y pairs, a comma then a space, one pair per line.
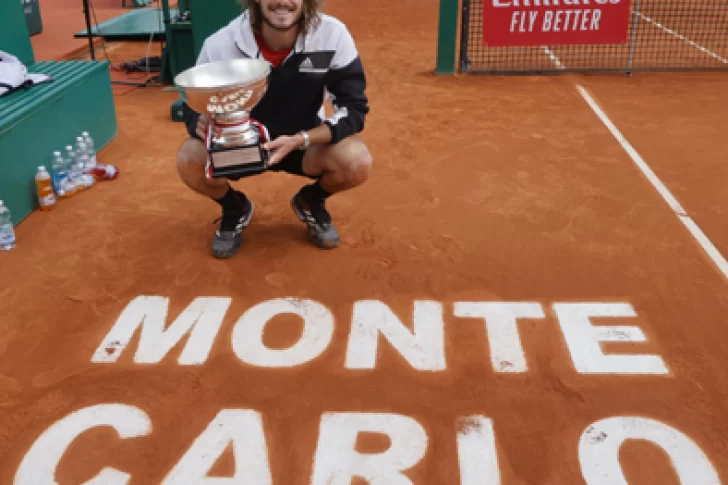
555, 22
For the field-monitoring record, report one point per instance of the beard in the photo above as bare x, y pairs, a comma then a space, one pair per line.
270, 11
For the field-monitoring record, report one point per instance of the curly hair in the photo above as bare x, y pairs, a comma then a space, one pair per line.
309, 19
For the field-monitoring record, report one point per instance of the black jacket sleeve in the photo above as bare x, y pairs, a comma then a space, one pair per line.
190, 118
346, 84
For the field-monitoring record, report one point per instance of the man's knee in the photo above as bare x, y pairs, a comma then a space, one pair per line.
362, 166
357, 162
191, 156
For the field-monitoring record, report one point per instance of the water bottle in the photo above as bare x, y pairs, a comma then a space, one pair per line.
69, 186
81, 164
73, 181
90, 150
58, 174
70, 160
7, 233
81, 155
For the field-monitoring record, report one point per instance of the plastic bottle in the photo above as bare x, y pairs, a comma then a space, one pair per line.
100, 171
7, 233
90, 150
44, 186
58, 174
69, 185
104, 171
81, 153
73, 173
70, 155
82, 164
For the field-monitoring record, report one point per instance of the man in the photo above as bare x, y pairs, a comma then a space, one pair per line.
312, 54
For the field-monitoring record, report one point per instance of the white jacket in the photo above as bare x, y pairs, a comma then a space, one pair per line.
323, 63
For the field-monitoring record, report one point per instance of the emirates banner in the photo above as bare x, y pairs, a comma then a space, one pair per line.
510, 23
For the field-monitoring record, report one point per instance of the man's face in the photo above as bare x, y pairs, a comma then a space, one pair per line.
281, 14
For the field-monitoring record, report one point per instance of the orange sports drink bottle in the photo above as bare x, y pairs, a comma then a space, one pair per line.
46, 195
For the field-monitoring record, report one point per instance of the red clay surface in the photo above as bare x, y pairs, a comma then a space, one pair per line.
685, 113
484, 189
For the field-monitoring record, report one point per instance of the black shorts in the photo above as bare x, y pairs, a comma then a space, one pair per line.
292, 164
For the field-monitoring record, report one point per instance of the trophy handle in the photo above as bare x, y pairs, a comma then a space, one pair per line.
263, 130
208, 144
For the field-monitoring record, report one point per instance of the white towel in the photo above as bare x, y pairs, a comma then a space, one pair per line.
14, 75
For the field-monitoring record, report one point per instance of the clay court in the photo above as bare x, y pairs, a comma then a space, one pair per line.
493, 200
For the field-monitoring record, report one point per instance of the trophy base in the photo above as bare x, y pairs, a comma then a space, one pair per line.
238, 150
237, 161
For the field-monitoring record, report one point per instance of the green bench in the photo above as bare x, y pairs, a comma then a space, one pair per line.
45, 118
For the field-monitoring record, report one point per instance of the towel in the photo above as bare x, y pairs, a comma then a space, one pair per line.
14, 75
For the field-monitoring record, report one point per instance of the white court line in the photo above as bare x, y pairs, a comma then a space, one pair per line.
681, 214
697, 233
554, 58
683, 38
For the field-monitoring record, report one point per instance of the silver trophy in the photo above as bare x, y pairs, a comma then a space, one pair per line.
227, 91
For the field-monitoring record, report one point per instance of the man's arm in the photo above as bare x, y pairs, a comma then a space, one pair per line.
321, 135
346, 83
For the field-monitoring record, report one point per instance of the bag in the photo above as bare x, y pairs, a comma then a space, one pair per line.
15, 76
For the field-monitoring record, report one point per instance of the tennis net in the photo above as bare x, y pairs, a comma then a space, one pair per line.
661, 35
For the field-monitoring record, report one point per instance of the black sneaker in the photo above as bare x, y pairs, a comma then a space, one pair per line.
320, 230
229, 235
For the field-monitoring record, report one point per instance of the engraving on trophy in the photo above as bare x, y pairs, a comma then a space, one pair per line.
226, 159
230, 103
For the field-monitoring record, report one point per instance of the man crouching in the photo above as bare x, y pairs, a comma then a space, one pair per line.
311, 54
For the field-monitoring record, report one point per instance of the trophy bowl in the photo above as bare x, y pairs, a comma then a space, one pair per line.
226, 92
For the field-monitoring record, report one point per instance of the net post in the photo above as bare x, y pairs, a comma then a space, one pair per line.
447, 37
632, 38
465, 36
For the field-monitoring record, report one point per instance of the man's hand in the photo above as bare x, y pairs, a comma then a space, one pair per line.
202, 126
201, 131
282, 146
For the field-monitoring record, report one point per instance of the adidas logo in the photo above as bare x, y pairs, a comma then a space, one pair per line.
307, 66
